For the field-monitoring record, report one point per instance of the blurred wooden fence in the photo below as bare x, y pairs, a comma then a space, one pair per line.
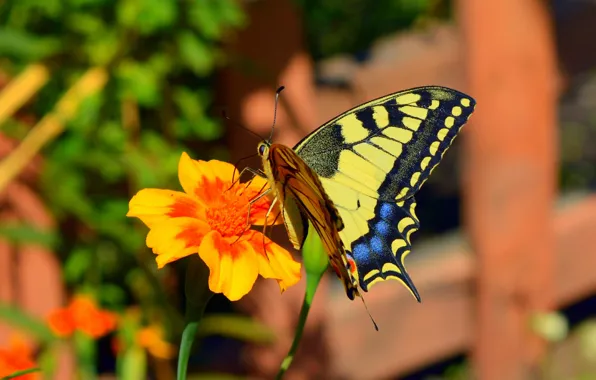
525, 254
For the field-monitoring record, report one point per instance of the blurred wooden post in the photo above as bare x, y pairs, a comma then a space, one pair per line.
510, 177
268, 53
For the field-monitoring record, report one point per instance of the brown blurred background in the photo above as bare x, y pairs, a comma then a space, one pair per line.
504, 261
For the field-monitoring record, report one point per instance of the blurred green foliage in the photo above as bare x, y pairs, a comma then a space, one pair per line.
160, 55
351, 26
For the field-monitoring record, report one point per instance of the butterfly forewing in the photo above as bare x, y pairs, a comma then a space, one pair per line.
388, 147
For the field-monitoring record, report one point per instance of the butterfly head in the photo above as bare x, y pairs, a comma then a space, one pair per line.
263, 148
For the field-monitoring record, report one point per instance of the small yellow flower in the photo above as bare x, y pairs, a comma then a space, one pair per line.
151, 338
210, 218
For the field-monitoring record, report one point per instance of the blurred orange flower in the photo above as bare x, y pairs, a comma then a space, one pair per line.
151, 338
82, 314
17, 357
210, 218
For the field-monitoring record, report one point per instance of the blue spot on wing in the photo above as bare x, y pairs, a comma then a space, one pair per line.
373, 250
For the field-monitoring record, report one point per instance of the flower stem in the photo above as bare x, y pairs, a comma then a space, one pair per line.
14, 375
285, 364
198, 295
315, 264
188, 337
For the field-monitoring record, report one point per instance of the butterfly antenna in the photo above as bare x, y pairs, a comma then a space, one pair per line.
225, 116
279, 90
368, 312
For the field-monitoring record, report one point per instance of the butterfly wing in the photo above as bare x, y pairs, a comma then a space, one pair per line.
371, 161
301, 192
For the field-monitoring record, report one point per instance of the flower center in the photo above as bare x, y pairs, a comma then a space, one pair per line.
229, 216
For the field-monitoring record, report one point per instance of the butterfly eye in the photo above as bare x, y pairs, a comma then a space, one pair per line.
262, 149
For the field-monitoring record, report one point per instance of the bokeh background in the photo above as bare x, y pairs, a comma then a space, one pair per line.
98, 98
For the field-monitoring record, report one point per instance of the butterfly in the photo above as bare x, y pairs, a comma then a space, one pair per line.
355, 177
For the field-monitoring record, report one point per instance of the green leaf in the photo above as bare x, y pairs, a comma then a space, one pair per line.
102, 49
139, 82
204, 128
154, 152
204, 17
24, 46
161, 63
28, 234
85, 23
238, 327
133, 364
127, 12
72, 196
77, 264
86, 118
231, 13
192, 105
19, 319
111, 295
87, 3
212, 17
195, 53
86, 354
147, 16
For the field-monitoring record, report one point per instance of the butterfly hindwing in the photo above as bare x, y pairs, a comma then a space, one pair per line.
380, 253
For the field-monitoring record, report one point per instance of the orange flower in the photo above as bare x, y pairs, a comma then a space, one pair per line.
82, 314
210, 218
17, 357
151, 338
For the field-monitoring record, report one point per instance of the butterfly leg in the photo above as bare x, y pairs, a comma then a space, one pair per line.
250, 203
265, 224
254, 172
253, 201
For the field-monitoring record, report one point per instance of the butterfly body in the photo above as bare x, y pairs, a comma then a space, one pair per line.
355, 177
302, 198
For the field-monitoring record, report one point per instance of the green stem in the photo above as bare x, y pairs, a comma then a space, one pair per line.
297, 337
198, 295
315, 265
86, 352
188, 337
20, 373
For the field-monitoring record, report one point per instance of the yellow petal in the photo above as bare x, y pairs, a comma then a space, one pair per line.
154, 206
233, 268
205, 179
176, 238
274, 261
